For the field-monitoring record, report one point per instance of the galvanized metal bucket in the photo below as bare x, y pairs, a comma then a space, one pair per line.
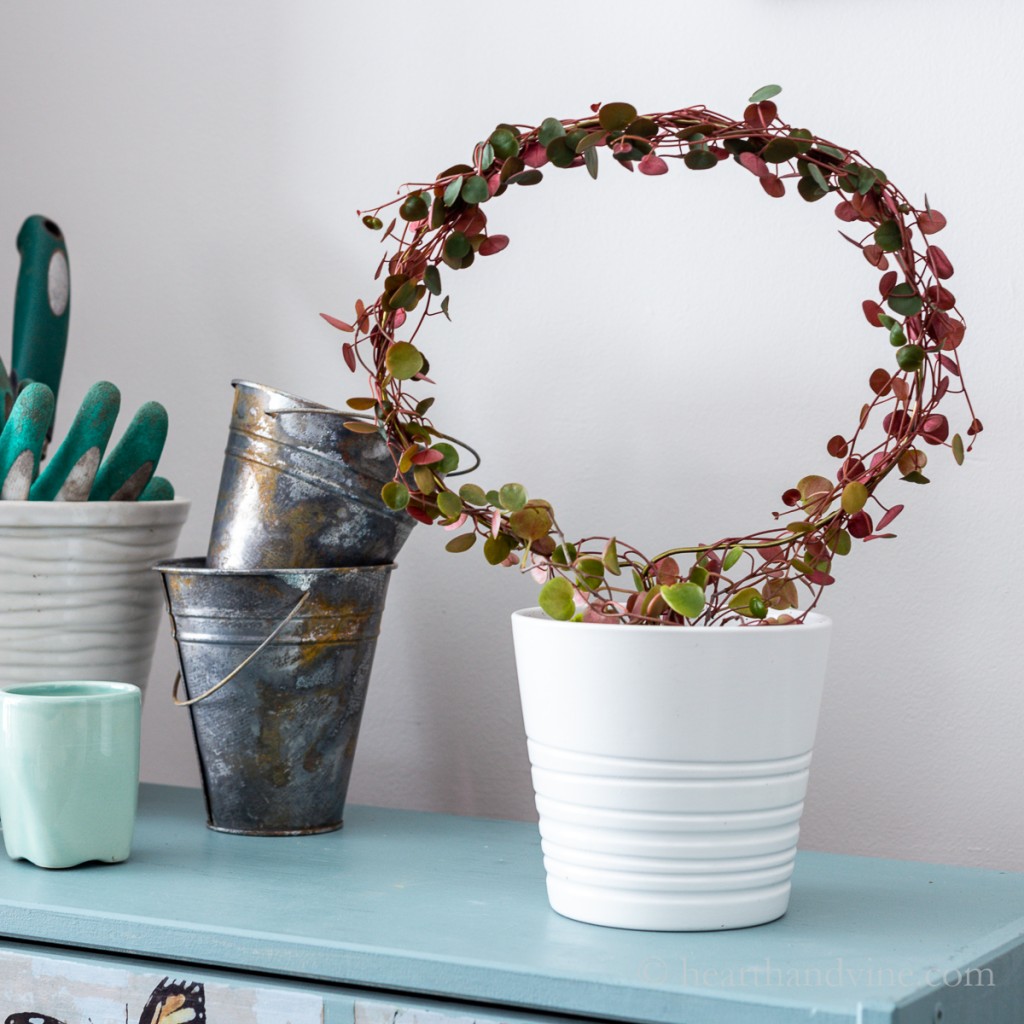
276, 666
299, 490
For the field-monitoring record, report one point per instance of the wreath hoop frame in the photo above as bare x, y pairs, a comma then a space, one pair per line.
442, 222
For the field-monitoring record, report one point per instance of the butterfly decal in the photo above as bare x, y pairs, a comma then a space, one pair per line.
171, 1002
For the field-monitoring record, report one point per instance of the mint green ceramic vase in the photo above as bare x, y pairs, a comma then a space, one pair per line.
69, 771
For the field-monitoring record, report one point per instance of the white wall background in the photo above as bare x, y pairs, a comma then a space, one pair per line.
660, 357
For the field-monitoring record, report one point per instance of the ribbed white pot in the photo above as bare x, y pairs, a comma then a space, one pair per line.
78, 598
670, 765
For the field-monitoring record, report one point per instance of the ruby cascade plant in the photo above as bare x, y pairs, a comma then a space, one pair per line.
783, 568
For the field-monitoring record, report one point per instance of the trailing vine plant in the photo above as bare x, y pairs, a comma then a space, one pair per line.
782, 569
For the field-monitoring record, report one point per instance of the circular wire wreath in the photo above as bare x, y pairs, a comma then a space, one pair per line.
603, 578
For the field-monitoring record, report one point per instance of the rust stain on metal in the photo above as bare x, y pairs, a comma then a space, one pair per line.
276, 743
298, 490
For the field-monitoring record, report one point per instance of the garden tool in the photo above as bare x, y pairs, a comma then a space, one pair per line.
42, 306
130, 466
76, 472
158, 489
22, 440
70, 472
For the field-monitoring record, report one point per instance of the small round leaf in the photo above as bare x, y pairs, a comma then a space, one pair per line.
614, 117
472, 494
404, 360
590, 573
556, 599
550, 128
475, 190
530, 523
452, 192
810, 190
461, 543
839, 542
414, 208
700, 160
778, 151
958, 449
450, 504
855, 497
504, 143
395, 495
493, 244
904, 300
512, 496
732, 556
766, 92
685, 598
432, 279
748, 602
497, 549
652, 164
457, 245
910, 358
450, 458
531, 176
888, 236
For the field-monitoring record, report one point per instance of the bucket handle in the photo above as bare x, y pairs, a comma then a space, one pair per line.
234, 672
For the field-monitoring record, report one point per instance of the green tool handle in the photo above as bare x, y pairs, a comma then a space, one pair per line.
128, 469
158, 489
22, 439
42, 304
71, 470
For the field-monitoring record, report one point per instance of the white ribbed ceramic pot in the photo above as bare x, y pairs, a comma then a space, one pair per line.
78, 598
670, 765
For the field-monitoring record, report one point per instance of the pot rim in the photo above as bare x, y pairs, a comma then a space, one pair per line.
269, 390
196, 566
84, 691
115, 514
815, 621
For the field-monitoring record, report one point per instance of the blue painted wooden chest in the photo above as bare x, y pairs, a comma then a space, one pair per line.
411, 918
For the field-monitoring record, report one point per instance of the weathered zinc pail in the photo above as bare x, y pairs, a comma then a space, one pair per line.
299, 490
276, 666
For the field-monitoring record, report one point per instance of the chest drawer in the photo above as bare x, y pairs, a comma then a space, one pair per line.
43, 985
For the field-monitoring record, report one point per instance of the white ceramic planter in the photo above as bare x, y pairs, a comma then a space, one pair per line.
670, 765
78, 599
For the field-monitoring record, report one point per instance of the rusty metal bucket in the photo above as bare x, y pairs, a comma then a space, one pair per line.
299, 490
276, 666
